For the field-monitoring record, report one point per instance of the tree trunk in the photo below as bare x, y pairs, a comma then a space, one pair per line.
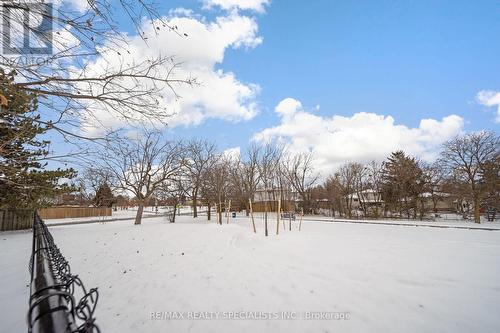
349, 208
208, 211
175, 210
422, 209
415, 208
195, 203
265, 218
138, 216
228, 212
305, 203
278, 218
251, 212
434, 203
477, 211
219, 210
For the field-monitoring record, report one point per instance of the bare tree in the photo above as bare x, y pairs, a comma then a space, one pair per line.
354, 181
215, 185
201, 157
457, 188
467, 155
172, 191
334, 194
269, 163
434, 176
346, 179
360, 173
374, 183
236, 179
70, 85
299, 170
141, 165
90, 180
247, 174
490, 180
286, 192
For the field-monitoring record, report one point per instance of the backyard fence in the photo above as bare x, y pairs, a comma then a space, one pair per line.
68, 212
272, 206
16, 219
54, 290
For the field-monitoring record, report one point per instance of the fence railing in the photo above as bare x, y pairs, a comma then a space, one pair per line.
54, 290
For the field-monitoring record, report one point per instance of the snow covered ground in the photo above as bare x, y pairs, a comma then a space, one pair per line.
449, 220
440, 223
387, 278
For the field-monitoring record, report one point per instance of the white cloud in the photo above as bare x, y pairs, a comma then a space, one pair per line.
79, 5
361, 137
181, 11
288, 107
232, 153
65, 39
220, 94
490, 98
255, 5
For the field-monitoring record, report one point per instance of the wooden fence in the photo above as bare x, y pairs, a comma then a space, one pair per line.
16, 219
68, 212
272, 206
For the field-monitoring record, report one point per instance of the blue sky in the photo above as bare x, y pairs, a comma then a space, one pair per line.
410, 60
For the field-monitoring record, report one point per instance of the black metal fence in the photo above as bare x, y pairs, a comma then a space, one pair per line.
53, 305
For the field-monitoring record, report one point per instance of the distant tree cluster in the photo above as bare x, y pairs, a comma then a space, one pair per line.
149, 166
466, 175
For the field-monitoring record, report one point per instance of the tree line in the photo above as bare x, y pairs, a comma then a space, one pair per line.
150, 166
466, 173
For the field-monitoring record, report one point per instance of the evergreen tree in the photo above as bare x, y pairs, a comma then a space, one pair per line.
104, 196
23, 181
402, 183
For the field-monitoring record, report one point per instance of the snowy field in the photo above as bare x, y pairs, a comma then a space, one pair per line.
387, 278
447, 220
